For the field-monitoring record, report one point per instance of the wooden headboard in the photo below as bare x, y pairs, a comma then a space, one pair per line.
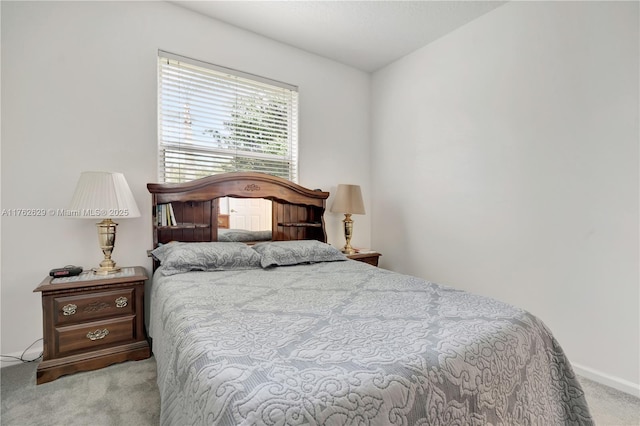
298, 212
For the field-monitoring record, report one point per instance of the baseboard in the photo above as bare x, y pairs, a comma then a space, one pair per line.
32, 353
607, 380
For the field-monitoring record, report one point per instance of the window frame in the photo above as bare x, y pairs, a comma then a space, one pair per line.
253, 121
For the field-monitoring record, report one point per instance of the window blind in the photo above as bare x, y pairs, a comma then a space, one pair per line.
215, 120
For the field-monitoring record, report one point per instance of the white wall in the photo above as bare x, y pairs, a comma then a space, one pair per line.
79, 93
505, 162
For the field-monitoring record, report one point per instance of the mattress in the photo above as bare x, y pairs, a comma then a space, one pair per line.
345, 343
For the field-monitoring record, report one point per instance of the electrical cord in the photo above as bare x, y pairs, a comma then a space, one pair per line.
21, 357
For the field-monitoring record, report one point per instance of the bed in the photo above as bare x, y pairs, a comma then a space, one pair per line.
291, 332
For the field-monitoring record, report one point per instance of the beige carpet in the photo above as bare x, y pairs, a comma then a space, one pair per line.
120, 395
126, 394
610, 407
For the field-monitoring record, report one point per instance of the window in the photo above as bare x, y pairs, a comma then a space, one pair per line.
216, 120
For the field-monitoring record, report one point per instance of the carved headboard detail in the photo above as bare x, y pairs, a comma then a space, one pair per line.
298, 212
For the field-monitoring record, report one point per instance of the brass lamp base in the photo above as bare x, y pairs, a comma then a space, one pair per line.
348, 231
107, 240
106, 271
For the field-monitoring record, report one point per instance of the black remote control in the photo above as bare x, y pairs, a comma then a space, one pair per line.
67, 271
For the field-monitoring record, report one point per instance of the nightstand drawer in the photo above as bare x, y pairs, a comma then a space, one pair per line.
91, 335
93, 306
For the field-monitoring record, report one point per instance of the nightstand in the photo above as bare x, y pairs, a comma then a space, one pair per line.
370, 257
91, 321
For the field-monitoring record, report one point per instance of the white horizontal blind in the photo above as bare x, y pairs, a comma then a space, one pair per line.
215, 120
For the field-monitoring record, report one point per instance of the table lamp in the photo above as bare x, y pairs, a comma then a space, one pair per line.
348, 201
104, 195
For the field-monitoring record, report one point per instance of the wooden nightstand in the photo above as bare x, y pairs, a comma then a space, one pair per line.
91, 321
370, 257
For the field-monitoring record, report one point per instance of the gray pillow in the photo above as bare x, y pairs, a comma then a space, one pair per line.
176, 257
282, 253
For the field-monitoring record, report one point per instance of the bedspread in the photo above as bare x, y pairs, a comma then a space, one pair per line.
345, 343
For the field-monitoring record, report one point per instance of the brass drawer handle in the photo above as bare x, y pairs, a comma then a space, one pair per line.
69, 309
98, 334
121, 302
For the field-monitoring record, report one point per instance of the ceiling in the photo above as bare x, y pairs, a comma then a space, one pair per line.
363, 34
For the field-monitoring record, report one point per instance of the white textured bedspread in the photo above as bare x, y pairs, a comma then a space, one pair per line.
345, 343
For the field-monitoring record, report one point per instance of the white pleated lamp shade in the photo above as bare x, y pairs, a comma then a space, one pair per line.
103, 195
348, 200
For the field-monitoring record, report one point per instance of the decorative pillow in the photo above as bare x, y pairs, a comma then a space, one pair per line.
282, 253
177, 258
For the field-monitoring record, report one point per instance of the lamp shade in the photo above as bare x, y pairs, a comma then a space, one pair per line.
348, 200
102, 195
